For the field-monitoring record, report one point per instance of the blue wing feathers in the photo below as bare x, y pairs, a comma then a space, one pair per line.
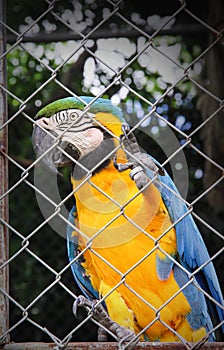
192, 251
198, 317
78, 271
163, 267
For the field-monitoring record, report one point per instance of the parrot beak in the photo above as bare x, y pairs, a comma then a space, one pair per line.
55, 158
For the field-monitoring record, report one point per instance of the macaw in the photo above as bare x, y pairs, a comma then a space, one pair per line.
132, 241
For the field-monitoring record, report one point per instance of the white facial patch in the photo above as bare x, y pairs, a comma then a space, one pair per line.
76, 127
75, 119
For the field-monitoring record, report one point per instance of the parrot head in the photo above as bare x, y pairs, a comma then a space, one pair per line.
85, 136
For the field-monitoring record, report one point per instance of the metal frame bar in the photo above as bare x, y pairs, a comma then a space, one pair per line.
108, 346
4, 273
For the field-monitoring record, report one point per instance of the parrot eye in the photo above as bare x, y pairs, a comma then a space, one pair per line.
73, 116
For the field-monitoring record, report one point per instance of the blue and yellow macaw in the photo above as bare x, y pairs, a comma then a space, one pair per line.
132, 241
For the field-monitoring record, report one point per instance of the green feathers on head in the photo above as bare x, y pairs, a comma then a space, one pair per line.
100, 105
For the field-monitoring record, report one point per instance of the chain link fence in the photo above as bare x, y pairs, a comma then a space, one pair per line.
103, 50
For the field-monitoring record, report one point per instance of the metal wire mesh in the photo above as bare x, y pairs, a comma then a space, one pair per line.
36, 242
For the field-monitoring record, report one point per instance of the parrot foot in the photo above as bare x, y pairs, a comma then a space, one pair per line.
102, 335
137, 171
138, 161
100, 315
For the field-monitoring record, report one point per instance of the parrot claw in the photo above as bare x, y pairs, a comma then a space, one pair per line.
81, 301
129, 142
125, 128
100, 315
122, 167
137, 172
102, 335
139, 162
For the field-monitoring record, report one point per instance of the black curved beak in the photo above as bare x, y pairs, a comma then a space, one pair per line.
42, 141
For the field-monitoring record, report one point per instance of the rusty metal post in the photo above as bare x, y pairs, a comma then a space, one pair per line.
3, 179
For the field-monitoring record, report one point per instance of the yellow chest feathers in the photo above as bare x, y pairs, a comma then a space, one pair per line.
111, 211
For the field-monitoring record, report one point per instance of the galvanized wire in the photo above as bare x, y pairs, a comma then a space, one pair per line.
117, 78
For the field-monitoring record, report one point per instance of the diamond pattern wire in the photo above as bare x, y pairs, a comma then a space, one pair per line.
25, 241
